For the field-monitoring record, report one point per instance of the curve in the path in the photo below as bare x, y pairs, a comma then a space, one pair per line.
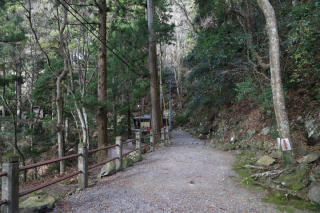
185, 177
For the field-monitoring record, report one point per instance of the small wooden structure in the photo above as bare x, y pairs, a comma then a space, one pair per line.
143, 122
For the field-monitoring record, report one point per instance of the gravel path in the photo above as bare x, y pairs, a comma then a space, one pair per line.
185, 177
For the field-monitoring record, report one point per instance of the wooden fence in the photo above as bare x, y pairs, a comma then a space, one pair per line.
10, 168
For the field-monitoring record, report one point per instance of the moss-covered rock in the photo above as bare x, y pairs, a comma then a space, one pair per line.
295, 180
108, 169
309, 158
126, 162
37, 203
135, 156
265, 161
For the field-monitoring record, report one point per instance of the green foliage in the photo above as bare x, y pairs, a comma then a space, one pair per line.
11, 29
126, 87
265, 98
212, 80
246, 89
42, 87
224, 60
304, 40
180, 120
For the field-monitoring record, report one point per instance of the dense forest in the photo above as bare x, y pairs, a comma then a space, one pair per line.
50, 84
237, 74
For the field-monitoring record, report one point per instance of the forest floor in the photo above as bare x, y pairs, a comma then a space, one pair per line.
185, 177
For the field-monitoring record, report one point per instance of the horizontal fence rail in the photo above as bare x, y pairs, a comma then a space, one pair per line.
128, 153
129, 141
10, 173
47, 162
57, 180
102, 148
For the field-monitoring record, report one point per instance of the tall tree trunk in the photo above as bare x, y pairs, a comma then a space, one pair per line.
170, 103
176, 78
59, 94
85, 116
66, 131
77, 125
128, 116
102, 75
84, 124
114, 111
59, 105
4, 87
276, 84
154, 84
162, 101
53, 103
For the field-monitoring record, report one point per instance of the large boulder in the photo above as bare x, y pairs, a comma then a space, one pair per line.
37, 203
309, 158
265, 161
314, 193
108, 169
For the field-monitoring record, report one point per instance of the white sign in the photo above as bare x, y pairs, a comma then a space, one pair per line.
285, 144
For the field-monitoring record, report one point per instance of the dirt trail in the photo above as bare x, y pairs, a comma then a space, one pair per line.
185, 177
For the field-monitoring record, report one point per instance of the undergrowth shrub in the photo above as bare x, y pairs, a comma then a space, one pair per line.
246, 89
181, 120
261, 95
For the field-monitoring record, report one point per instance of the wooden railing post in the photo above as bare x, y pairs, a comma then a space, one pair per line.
119, 152
138, 141
83, 166
10, 184
162, 134
152, 140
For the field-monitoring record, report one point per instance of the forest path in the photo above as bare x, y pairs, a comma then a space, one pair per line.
185, 177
